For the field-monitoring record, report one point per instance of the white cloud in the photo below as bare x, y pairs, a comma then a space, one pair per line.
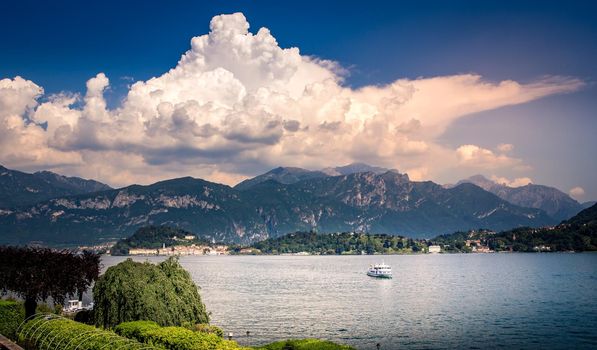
237, 103
481, 158
577, 193
517, 182
505, 147
23, 143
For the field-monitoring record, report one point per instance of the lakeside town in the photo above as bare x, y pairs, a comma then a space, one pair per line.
187, 245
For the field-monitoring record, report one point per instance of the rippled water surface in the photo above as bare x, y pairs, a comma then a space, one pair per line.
433, 301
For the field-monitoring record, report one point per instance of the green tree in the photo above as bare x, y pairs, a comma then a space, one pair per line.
35, 274
164, 293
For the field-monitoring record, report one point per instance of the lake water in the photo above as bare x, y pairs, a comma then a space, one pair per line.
473, 301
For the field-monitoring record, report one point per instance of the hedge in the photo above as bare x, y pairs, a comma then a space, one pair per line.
173, 338
12, 314
207, 328
136, 329
178, 338
49, 332
304, 344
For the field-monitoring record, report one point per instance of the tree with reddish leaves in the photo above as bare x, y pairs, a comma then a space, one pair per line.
35, 274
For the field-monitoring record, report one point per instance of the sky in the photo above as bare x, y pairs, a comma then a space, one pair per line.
140, 91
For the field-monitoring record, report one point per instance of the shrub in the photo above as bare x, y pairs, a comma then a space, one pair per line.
207, 328
12, 314
164, 293
173, 338
49, 332
84, 316
304, 344
135, 329
47, 309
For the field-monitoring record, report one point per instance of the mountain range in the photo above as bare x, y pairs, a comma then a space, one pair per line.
554, 202
290, 175
360, 198
20, 189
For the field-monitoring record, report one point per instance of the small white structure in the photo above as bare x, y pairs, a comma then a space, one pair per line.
189, 237
434, 249
73, 306
142, 251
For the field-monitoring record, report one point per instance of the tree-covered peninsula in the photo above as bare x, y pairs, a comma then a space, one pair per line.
153, 237
339, 243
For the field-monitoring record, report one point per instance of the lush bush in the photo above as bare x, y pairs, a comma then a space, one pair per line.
49, 332
84, 316
207, 328
12, 314
135, 329
174, 338
304, 344
47, 309
164, 293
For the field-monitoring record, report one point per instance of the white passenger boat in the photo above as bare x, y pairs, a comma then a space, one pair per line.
380, 270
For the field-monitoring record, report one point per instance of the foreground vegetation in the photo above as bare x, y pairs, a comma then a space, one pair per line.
11, 316
36, 274
137, 306
304, 344
50, 332
174, 338
164, 293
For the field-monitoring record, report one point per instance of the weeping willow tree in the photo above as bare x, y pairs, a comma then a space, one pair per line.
163, 293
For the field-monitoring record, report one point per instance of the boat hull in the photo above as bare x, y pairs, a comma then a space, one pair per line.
378, 275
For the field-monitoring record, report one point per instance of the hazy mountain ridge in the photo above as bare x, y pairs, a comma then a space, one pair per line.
285, 175
290, 175
388, 203
587, 217
554, 202
367, 202
208, 209
21, 189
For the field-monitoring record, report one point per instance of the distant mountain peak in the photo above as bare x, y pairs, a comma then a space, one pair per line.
359, 167
290, 175
283, 175
480, 181
554, 202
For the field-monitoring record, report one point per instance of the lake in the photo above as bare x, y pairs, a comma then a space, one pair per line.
434, 301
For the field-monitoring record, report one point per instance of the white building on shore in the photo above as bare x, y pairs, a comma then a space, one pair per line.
143, 251
182, 250
434, 249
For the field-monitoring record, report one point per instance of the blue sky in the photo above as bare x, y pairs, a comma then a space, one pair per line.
59, 46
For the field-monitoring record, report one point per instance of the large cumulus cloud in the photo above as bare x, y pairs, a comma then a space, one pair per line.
237, 103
